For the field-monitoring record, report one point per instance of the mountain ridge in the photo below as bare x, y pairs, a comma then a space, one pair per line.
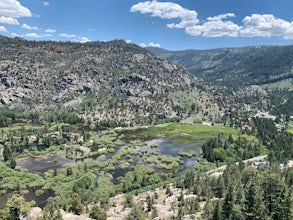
229, 66
101, 80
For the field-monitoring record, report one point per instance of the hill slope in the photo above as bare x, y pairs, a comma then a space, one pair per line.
235, 66
101, 80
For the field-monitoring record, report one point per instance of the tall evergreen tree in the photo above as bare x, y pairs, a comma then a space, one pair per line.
76, 204
228, 202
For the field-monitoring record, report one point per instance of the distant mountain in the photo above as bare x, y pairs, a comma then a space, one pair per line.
235, 67
99, 80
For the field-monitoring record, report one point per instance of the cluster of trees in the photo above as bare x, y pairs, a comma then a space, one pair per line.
140, 177
252, 142
240, 147
12, 115
282, 103
8, 115
64, 116
280, 143
16, 207
8, 157
244, 192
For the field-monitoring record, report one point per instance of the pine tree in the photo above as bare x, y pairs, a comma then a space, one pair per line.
7, 153
217, 212
17, 206
76, 204
254, 204
98, 213
228, 202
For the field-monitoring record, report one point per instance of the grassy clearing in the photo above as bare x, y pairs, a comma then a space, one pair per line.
283, 84
186, 139
177, 128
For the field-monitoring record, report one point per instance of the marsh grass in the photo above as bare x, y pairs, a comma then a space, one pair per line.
178, 128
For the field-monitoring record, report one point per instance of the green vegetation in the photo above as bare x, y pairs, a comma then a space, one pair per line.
189, 153
93, 181
185, 139
177, 128
16, 206
283, 84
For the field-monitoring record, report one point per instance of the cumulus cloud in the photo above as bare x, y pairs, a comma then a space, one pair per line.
13, 8
154, 44
32, 35
3, 29
167, 10
255, 25
221, 17
8, 20
266, 25
49, 30
46, 4
26, 26
128, 41
151, 44
84, 40
217, 27
75, 38
142, 45
67, 35
214, 27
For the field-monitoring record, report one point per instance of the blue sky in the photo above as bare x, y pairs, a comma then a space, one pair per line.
173, 24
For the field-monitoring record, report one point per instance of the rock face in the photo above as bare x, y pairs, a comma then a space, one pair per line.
111, 80
252, 90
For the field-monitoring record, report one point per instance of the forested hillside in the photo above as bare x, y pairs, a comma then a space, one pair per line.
235, 67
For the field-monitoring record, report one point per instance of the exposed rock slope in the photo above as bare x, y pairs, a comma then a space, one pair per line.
102, 80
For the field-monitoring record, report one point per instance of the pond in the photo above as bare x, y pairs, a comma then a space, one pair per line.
40, 200
166, 146
41, 164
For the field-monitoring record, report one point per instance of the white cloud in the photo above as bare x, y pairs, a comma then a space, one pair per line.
154, 44
142, 45
32, 35
84, 40
15, 35
221, 17
8, 20
67, 35
3, 29
266, 25
75, 38
216, 27
256, 25
26, 26
13, 8
46, 4
49, 30
167, 10
128, 41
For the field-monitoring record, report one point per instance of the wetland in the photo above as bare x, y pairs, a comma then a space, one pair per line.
53, 159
